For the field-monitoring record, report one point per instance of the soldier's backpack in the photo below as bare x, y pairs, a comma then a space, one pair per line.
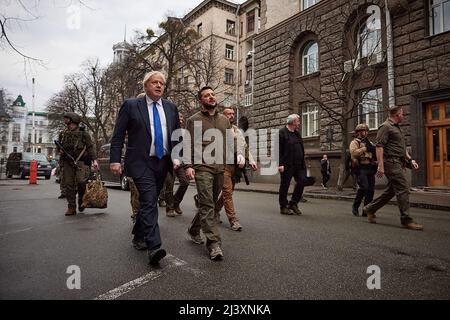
96, 194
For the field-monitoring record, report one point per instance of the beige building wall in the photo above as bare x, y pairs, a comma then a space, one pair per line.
275, 11
214, 23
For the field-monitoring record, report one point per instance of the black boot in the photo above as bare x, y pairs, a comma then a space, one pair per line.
358, 199
80, 204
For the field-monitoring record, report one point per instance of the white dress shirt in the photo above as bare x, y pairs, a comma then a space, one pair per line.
162, 117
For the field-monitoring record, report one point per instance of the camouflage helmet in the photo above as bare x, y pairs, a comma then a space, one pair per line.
74, 118
362, 127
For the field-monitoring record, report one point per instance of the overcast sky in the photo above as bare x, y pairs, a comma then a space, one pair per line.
63, 44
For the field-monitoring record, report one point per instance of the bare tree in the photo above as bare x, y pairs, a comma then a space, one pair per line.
201, 66
353, 69
5, 119
25, 14
85, 94
164, 49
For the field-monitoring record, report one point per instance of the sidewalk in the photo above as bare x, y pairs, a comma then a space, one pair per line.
433, 199
436, 200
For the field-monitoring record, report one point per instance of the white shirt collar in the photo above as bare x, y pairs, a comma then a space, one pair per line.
150, 101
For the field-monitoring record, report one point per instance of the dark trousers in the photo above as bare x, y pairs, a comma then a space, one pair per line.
149, 186
365, 177
325, 178
174, 200
298, 173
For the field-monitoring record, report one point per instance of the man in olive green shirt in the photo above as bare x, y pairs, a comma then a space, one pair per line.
208, 175
392, 159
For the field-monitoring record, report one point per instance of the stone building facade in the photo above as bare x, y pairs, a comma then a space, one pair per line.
230, 29
322, 64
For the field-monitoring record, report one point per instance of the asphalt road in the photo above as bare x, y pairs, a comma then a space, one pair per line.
322, 254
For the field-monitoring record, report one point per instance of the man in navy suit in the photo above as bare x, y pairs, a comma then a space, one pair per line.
149, 122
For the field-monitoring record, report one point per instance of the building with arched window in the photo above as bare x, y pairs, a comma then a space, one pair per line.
340, 63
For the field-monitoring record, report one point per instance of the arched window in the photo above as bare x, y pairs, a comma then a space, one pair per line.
369, 37
310, 58
370, 41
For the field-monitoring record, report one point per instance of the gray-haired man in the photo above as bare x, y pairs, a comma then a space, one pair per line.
291, 164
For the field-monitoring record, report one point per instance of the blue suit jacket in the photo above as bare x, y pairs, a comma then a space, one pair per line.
134, 119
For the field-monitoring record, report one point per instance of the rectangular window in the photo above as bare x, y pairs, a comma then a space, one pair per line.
439, 16
251, 21
231, 28
309, 3
370, 109
248, 100
228, 100
249, 75
229, 76
199, 29
229, 52
16, 133
310, 120
370, 43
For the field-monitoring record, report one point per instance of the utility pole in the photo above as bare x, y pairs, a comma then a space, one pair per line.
33, 135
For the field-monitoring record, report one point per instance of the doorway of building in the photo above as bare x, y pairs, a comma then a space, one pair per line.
438, 143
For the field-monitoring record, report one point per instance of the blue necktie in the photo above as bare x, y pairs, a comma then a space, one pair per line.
159, 141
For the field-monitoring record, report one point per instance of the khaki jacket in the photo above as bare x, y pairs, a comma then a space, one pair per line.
359, 155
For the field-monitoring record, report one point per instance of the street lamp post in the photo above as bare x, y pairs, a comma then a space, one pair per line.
33, 130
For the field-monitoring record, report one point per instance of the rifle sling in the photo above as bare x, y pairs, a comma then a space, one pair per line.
80, 155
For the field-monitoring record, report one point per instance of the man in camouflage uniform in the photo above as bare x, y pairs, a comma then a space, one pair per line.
60, 169
62, 182
79, 145
392, 158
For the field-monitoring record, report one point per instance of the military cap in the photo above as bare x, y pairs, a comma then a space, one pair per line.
73, 117
362, 127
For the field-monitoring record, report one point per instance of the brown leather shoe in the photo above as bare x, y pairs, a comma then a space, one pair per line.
412, 225
371, 217
71, 211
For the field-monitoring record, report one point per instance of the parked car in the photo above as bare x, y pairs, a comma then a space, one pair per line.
19, 164
106, 174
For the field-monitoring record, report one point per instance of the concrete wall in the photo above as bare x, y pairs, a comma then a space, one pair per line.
276, 11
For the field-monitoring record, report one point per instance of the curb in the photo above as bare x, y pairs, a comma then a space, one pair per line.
430, 206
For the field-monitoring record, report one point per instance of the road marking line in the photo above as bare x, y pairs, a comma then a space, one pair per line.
15, 231
136, 283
